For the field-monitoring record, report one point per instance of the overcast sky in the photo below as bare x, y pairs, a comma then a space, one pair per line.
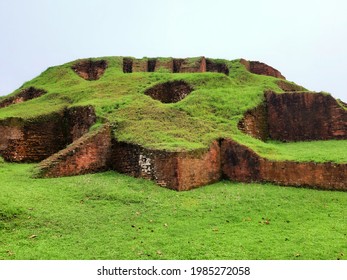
305, 40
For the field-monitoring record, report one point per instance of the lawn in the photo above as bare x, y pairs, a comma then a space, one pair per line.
112, 216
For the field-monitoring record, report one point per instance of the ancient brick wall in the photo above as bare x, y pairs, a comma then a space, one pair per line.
32, 141
327, 176
22, 96
175, 65
167, 65
241, 164
90, 153
78, 121
174, 170
260, 68
300, 116
127, 65
255, 123
296, 116
200, 169
198, 66
36, 139
218, 67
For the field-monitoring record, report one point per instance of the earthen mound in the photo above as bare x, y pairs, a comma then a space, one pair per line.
89, 69
24, 95
169, 92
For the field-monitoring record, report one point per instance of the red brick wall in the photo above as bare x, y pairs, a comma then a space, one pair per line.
300, 116
174, 65
31, 141
260, 68
241, 164
34, 140
90, 153
255, 123
179, 171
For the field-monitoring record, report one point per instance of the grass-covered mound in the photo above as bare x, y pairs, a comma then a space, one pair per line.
211, 111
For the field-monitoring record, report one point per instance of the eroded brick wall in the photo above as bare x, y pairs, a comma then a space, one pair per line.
32, 141
300, 116
36, 139
200, 169
241, 164
296, 116
90, 153
78, 121
255, 123
219, 67
174, 170
261, 68
174, 65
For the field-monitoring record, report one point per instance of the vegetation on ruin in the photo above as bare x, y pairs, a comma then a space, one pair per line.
211, 111
113, 216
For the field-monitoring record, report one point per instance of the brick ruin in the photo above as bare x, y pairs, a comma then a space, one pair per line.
66, 146
174, 65
90, 69
296, 116
181, 171
22, 96
169, 92
36, 139
241, 164
261, 68
225, 158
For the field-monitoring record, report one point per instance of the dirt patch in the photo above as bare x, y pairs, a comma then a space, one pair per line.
22, 96
169, 92
90, 69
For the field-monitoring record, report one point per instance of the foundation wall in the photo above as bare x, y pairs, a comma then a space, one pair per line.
301, 116
34, 140
178, 171
241, 164
90, 153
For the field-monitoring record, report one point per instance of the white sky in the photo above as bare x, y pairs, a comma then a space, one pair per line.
305, 40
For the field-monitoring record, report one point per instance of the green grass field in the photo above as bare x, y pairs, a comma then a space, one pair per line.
112, 216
